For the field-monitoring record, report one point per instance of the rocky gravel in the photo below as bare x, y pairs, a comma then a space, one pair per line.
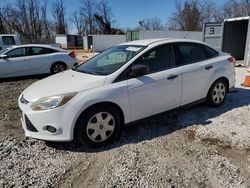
193, 147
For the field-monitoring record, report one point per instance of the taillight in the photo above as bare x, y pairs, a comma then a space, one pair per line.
231, 60
72, 54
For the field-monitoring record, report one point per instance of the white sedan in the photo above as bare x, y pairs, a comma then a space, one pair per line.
126, 83
34, 59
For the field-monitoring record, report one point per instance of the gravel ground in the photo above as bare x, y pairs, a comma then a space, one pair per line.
194, 147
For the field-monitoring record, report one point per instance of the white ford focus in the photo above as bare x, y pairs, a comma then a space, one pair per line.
126, 83
32, 59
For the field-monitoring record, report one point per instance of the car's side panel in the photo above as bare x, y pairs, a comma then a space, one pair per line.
195, 77
223, 68
65, 58
16, 66
40, 64
154, 93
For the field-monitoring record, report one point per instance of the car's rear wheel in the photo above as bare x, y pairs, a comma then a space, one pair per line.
217, 93
98, 126
58, 67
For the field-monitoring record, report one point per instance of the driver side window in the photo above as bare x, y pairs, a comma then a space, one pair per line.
158, 59
19, 52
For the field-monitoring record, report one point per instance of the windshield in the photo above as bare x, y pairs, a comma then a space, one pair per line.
110, 60
4, 50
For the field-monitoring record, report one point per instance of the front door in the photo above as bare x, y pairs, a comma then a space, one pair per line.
158, 91
15, 64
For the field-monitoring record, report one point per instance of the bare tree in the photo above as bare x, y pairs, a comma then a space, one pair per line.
46, 25
88, 11
236, 8
151, 24
59, 14
28, 19
187, 17
103, 17
78, 20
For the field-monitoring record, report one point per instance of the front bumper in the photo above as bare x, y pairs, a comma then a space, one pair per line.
35, 123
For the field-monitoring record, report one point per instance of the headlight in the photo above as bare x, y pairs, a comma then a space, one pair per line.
51, 102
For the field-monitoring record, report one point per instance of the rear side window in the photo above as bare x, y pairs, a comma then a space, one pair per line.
8, 40
39, 51
190, 53
210, 52
19, 52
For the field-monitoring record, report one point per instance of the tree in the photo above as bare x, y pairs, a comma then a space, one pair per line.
151, 24
78, 20
236, 8
187, 17
87, 13
59, 15
28, 19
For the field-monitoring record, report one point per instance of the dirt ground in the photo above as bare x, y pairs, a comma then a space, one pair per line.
193, 147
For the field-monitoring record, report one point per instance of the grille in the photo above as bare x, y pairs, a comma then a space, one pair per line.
29, 125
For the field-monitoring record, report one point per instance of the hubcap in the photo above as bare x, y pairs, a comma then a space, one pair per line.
58, 68
219, 93
100, 127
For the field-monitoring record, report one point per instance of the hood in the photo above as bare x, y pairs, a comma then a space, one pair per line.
64, 82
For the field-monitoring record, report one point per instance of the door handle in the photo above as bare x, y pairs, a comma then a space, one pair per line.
209, 67
171, 77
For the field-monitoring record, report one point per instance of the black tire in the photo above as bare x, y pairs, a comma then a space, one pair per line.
58, 67
217, 93
91, 137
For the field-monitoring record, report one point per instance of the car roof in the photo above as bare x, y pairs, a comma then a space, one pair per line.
147, 42
37, 45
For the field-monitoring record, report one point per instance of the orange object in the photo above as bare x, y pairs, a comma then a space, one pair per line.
75, 52
246, 82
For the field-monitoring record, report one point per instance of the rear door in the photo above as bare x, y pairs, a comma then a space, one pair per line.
196, 64
16, 63
40, 59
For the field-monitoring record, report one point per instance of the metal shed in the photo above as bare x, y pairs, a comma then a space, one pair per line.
231, 36
70, 41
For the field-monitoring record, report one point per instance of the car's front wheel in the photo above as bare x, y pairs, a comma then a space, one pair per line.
98, 126
217, 93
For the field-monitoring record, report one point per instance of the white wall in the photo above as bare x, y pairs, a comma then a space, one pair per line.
147, 34
103, 42
61, 39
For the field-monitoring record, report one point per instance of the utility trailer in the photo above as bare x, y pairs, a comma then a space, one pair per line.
231, 36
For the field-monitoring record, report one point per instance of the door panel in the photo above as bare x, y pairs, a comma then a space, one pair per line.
195, 77
40, 60
16, 64
158, 91
154, 93
196, 66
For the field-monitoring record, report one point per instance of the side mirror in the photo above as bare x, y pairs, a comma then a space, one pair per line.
139, 70
3, 56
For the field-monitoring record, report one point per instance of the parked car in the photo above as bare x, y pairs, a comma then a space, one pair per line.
126, 83
7, 40
34, 59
